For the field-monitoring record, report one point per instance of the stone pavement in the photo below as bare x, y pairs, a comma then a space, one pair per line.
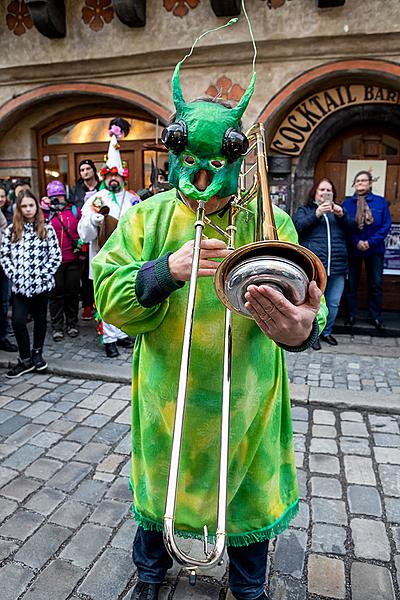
65, 525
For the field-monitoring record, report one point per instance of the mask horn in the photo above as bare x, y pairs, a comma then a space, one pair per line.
245, 99
177, 93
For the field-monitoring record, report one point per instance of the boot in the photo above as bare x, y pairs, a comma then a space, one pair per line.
125, 342
38, 360
23, 366
145, 591
111, 350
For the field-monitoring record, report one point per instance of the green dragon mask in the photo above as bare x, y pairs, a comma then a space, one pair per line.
205, 135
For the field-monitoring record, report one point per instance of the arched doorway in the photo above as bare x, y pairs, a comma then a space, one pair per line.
63, 145
28, 121
371, 140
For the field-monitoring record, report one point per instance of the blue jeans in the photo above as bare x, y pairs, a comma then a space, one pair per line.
333, 294
374, 269
247, 564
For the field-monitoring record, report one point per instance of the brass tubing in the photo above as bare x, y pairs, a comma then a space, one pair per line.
214, 556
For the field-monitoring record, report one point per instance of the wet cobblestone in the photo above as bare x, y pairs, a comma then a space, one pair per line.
64, 491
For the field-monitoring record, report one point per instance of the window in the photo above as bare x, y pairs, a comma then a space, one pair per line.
96, 130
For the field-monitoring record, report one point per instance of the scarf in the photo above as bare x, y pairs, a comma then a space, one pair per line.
363, 213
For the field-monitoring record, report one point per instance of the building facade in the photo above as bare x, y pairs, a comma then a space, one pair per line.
328, 85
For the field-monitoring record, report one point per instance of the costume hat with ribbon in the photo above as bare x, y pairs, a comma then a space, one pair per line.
113, 162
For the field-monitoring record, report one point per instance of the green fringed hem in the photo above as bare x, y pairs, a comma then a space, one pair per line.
236, 540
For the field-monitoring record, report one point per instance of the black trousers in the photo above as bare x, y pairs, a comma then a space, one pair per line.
87, 293
374, 269
4, 301
37, 307
64, 299
247, 564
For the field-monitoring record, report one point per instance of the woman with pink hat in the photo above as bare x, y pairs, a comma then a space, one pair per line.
64, 299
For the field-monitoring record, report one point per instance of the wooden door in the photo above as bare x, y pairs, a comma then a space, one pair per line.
360, 143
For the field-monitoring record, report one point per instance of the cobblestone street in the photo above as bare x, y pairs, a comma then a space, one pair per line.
65, 524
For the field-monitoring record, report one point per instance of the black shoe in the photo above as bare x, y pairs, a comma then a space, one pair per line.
377, 323
329, 339
38, 360
111, 350
264, 596
7, 346
146, 591
126, 342
22, 367
316, 345
350, 321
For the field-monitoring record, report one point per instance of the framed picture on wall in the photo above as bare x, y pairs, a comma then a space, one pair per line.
391, 264
377, 168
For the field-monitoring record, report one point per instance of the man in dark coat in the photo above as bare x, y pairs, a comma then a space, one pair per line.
88, 181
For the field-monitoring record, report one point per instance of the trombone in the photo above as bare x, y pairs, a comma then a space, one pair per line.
282, 265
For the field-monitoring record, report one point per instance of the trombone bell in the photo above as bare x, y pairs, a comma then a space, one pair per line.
284, 266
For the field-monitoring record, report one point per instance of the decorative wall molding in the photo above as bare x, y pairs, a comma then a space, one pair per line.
18, 17
180, 8
131, 12
96, 13
225, 89
48, 17
330, 3
226, 8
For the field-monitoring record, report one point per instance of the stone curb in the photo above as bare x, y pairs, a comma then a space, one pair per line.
80, 369
348, 399
299, 393
362, 350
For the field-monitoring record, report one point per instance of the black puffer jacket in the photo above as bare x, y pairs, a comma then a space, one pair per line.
326, 237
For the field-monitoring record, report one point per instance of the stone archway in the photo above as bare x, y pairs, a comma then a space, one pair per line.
23, 117
323, 77
329, 129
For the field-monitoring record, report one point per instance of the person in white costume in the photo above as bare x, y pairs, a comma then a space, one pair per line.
100, 215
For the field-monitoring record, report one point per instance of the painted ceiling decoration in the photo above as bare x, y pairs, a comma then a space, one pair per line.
180, 8
96, 13
225, 89
226, 8
18, 17
48, 17
131, 12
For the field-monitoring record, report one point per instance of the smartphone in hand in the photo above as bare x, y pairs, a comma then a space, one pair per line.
327, 198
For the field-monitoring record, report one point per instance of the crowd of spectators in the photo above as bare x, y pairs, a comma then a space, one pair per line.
41, 244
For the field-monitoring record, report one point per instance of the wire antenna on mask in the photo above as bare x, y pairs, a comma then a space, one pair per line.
228, 24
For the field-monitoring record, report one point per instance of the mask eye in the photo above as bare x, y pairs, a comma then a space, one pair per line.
217, 164
189, 160
235, 144
175, 137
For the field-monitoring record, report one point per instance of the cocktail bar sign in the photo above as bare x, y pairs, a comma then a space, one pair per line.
305, 117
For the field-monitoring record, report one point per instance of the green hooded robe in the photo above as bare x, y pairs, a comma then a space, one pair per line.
262, 485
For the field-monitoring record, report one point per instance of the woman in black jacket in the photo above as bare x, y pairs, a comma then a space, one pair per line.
322, 226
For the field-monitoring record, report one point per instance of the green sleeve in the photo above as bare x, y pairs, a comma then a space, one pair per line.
114, 277
287, 232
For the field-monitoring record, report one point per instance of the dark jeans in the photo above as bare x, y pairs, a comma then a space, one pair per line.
374, 269
247, 564
37, 307
87, 293
4, 302
64, 299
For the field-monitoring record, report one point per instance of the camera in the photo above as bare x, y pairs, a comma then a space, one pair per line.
56, 203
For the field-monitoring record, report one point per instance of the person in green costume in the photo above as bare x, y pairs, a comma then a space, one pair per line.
140, 280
